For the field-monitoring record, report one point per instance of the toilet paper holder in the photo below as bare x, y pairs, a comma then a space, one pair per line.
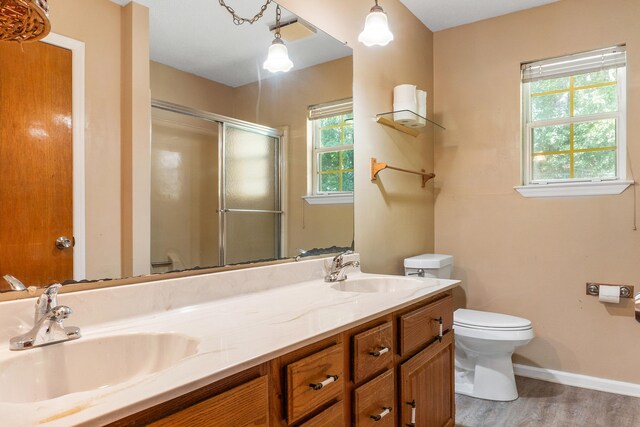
593, 289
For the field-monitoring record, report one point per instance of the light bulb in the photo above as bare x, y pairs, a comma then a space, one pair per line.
376, 29
278, 58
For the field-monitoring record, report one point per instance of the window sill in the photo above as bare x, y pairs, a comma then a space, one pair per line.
599, 188
330, 199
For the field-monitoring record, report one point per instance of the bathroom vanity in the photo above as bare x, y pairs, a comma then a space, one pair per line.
272, 345
385, 370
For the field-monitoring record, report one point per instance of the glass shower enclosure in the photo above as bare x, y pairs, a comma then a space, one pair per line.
216, 190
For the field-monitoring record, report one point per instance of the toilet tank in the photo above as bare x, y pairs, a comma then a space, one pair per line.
437, 266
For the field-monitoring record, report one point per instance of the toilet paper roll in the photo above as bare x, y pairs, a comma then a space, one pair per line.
609, 294
404, 98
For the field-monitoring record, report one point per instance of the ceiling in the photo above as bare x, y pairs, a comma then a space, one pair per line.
442, 14
202, 39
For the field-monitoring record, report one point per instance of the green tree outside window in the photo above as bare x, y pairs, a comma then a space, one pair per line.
333, 153
572, 123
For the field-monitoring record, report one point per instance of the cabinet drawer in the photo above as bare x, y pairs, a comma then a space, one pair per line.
372, 351
376, 399
421, 326
314, 380
247, 404
331, 417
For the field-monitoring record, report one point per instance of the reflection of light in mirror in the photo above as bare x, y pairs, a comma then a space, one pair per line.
38, 132
539, 158
169, 182
62, 119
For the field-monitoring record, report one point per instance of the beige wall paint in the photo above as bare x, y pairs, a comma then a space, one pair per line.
532, 257
136, 142
394, 217
98, 24
113, 52
172, 85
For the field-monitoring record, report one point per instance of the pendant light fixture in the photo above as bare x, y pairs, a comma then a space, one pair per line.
278, 57
376, 28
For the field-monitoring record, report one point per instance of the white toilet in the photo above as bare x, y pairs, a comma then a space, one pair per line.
484, 341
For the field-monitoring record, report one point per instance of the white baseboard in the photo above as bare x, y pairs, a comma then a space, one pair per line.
577, 380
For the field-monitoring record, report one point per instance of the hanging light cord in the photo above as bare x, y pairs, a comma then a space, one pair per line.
238, 20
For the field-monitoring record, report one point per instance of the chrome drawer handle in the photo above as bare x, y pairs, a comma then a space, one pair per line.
330, 379
413, 413
381, 414
380, 352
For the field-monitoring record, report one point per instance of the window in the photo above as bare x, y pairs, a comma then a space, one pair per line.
331, 152
574, 124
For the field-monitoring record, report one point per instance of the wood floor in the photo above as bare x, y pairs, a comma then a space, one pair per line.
547, 404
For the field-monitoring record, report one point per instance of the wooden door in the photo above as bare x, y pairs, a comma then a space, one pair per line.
36, 183
427, 382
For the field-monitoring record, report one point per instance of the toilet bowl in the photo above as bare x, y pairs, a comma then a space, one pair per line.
484, 343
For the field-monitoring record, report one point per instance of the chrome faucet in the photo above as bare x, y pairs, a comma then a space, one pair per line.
14, 283
48, 327
337, 273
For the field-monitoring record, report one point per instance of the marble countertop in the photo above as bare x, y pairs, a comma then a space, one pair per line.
234, 332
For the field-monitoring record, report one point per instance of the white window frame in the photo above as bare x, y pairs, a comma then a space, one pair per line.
316, 112
574, 186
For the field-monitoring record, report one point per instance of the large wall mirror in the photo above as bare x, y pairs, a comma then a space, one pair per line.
246, 165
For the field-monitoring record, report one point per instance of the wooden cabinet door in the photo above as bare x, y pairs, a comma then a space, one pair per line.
427, 386
245, 405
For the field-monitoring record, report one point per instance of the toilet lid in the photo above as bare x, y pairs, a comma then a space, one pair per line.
487, 320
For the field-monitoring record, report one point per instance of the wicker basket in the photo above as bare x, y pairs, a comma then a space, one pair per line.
24, 20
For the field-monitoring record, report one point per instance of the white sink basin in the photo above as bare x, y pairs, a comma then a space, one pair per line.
381, 285
88, 364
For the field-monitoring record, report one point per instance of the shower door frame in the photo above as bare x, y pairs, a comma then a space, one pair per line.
280, 164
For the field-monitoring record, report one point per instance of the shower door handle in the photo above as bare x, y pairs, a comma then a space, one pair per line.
250, 211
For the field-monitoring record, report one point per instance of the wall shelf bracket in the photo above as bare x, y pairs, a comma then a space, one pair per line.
376, 167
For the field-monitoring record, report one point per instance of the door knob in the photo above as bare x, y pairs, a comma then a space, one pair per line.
64, 242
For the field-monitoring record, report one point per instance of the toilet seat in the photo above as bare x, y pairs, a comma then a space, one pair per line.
483, 320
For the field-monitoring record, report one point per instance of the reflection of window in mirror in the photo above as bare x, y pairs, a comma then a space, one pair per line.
331, 153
